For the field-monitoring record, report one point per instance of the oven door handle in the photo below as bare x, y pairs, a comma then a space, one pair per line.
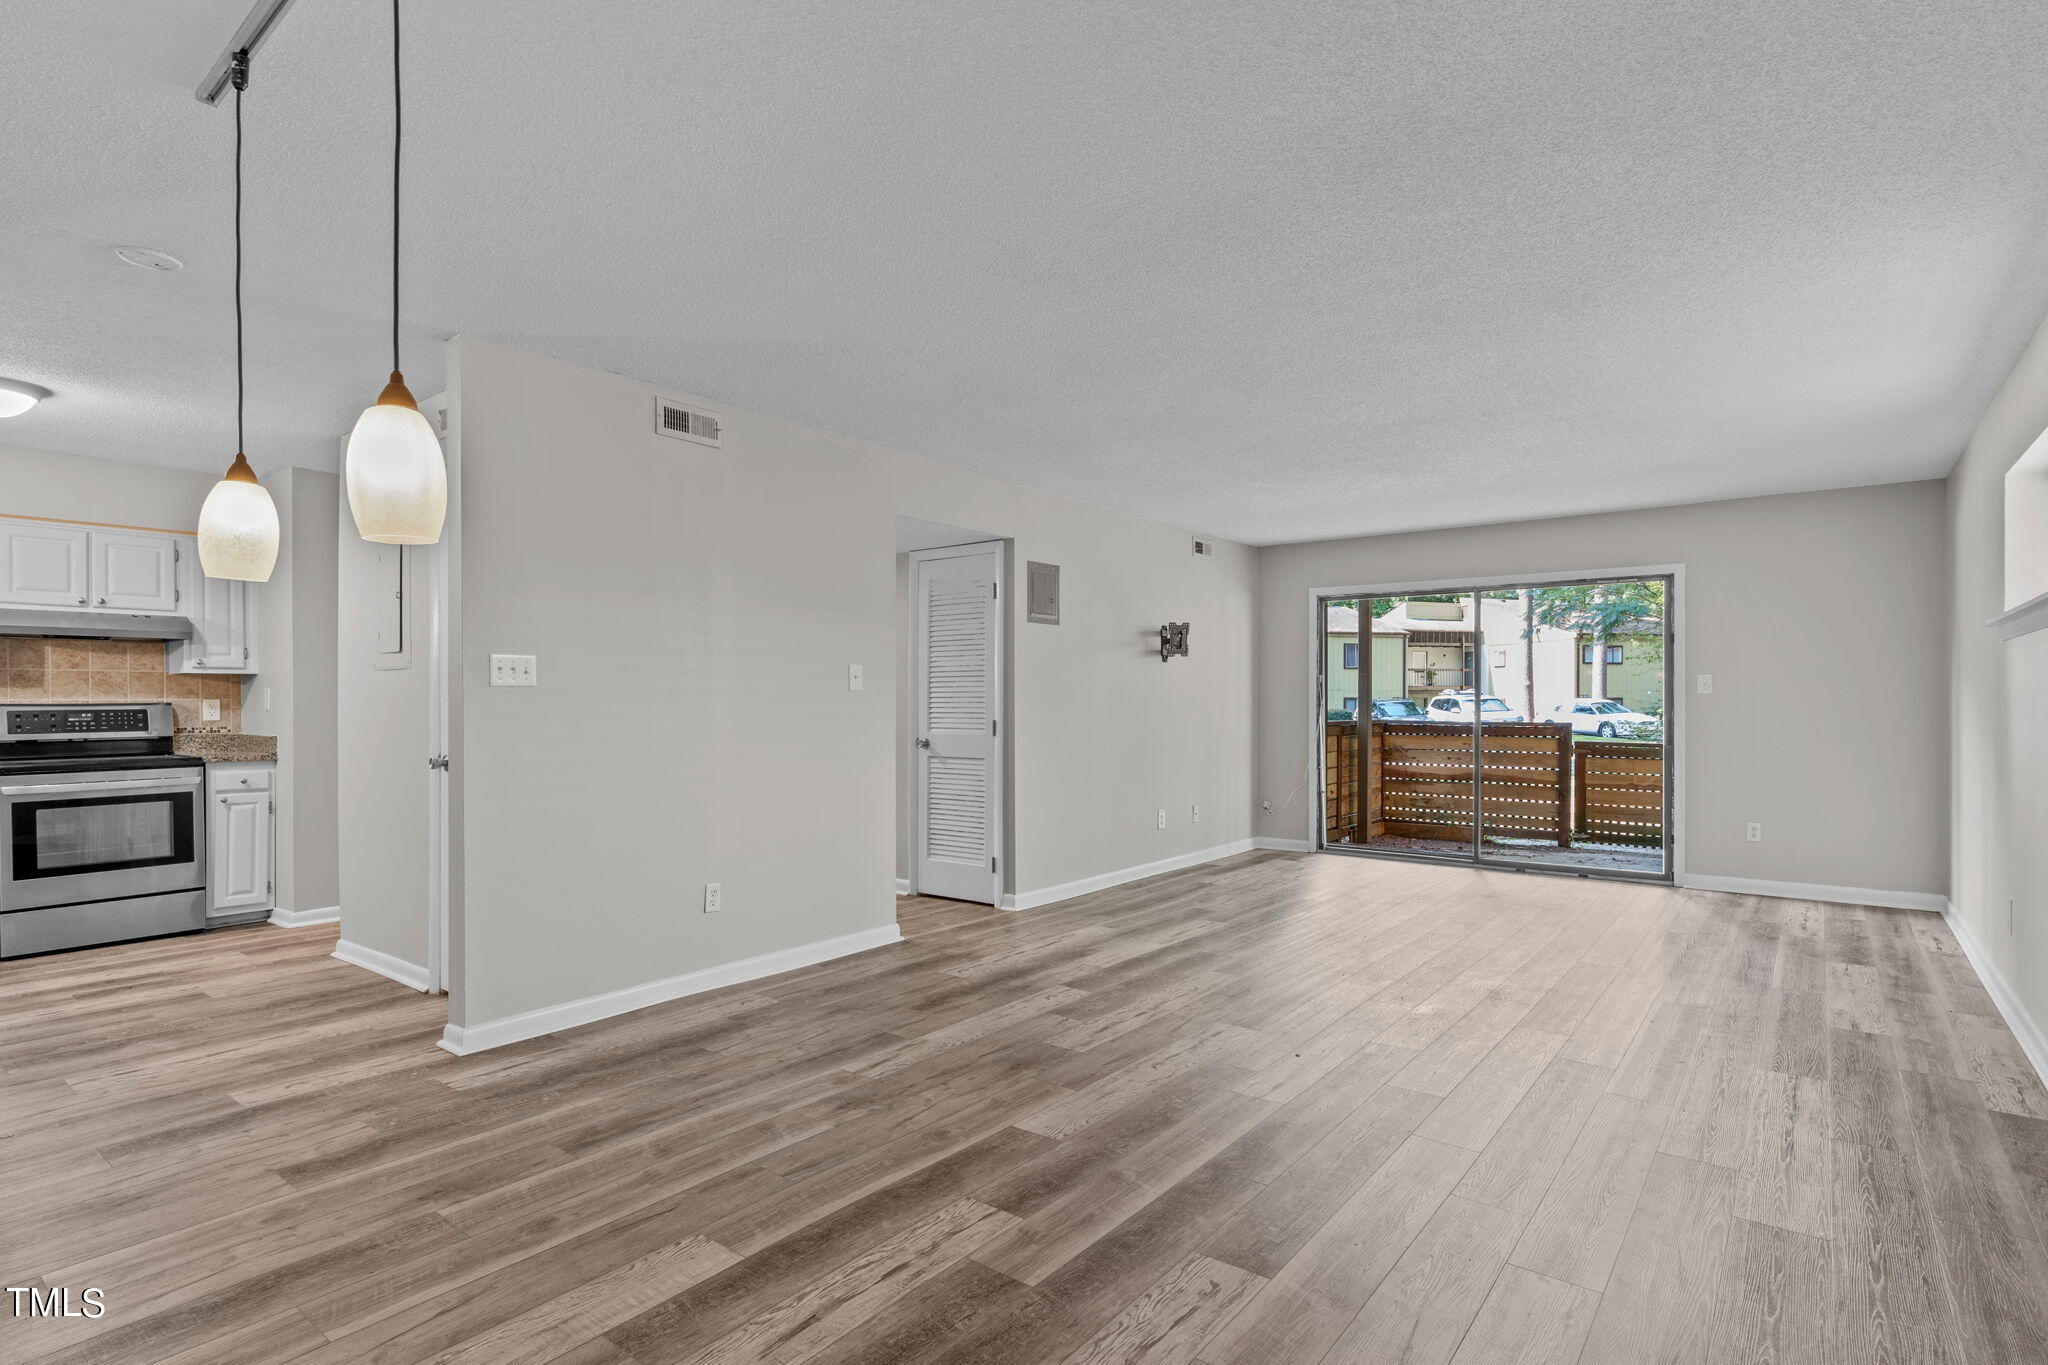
127, 785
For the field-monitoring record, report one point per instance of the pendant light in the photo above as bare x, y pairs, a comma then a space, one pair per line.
397, 483
238, 521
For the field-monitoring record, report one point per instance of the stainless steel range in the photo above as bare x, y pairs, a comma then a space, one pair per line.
102, 829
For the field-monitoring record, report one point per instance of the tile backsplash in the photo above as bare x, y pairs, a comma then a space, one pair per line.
34, 668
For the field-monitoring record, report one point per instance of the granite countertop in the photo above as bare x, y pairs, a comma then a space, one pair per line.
220, 746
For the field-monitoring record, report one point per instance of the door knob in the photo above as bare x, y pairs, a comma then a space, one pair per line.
924, 744
103, 601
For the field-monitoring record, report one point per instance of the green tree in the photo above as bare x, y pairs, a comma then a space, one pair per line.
1604, 610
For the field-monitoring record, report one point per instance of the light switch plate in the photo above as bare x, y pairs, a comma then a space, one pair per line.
853, 682
513, 670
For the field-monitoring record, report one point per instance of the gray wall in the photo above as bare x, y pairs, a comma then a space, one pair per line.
296, 628
1818, 615
1102, 734
380, 759
2000, 776
693, 613
39, 483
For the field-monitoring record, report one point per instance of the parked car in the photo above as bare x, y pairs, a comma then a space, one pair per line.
1459, 706
1383, 708
1607, 719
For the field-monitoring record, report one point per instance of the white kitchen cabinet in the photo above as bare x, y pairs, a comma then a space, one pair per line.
223, 615
240, 850
134, 571
44, 564
52, 564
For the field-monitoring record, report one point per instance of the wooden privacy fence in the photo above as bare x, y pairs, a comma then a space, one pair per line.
1618, 794
1536, 785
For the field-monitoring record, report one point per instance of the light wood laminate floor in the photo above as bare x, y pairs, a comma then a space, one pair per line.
1282, 1108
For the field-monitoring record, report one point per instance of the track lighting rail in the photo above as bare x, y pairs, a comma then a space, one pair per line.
220, 76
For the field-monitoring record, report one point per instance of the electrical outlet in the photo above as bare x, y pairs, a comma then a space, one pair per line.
1706, 683
513, 670
1195, 814
714, 897
1162, 819
1756, 832
853, 677
209, 710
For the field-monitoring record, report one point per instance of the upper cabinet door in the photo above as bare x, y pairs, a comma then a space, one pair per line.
44, 564
223, 621
134, 571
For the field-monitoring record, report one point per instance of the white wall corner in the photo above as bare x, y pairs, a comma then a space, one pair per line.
1816, 891
383, 964
296, 919
1031, 900
518, 1028
2023, 1025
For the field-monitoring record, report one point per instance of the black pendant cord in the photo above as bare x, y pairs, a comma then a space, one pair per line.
241, 79
397, 144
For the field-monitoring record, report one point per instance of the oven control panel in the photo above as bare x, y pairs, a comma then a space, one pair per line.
37, 722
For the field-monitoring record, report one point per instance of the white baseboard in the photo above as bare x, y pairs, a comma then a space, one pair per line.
2032, 1040
1814, 891
1284, 845
903, 886
591, 1008
383, 964
293, 919
1031, 900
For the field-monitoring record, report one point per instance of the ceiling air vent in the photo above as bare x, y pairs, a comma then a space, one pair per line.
685, 424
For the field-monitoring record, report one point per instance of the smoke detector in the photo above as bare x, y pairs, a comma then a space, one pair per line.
685, 423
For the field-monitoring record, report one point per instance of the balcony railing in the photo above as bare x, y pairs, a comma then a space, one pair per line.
1438, 679
1539, 784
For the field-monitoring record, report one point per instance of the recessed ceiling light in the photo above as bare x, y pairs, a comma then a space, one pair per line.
146, 259
17, 397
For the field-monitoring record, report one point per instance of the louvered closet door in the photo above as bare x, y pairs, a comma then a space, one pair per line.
957, 706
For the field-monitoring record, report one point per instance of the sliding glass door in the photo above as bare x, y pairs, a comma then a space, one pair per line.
1511, 724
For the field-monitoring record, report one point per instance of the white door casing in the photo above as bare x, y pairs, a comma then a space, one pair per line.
956, 702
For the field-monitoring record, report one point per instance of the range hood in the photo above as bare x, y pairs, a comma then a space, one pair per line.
93, 625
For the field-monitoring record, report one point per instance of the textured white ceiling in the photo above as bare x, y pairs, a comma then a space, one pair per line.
1278, 269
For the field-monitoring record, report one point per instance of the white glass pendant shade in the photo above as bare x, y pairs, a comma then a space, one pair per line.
238, 527
397, 482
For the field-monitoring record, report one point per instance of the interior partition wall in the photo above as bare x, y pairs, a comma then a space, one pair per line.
1528, 723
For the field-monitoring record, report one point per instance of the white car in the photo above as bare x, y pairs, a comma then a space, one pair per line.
1458, 706
1605, 718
